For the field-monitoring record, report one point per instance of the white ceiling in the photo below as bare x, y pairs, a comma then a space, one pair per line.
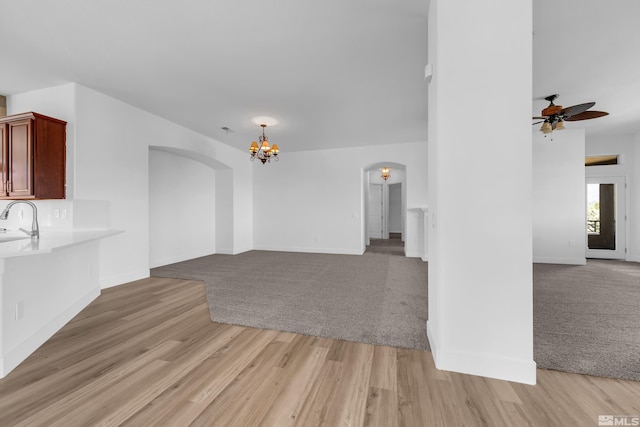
334, 73
589, 50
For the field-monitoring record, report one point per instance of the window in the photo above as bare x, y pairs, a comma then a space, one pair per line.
611, 159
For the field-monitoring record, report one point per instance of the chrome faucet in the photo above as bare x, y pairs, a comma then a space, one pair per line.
35, 230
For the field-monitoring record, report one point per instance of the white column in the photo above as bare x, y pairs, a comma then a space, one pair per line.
480, 242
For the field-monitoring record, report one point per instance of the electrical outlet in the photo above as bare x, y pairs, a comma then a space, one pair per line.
64, 214
56, 213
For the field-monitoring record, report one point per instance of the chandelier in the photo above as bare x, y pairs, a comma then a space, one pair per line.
263, 151
385, 173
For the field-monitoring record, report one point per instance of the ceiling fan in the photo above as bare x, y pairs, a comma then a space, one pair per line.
554, 116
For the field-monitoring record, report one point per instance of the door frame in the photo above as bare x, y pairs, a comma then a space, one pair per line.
620, 218
371, 174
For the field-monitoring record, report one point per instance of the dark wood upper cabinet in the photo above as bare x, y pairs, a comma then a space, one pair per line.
3, 157
33, 160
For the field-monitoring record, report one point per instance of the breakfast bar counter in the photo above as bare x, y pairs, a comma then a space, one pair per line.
17, 243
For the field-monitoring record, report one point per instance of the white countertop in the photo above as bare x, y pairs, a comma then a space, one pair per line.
16, 243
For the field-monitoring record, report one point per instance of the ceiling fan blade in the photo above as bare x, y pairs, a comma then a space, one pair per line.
576, 109
537, 123
586, 115
540, 117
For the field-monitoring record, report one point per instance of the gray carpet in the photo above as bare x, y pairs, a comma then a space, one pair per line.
586, 319
372, 298
386, 246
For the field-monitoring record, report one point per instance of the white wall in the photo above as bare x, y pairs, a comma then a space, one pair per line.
113, 141
625, 146
108, 175
318, 211
418, 246
182, 209
559, 197
481, 316
633, 203
51, 289
224, 211
312, 201
112, 163
109, 143
234, 182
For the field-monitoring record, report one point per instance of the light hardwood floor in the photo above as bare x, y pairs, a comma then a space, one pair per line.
147, 354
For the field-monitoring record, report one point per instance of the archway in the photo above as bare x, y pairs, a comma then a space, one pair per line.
190, 205
383, 202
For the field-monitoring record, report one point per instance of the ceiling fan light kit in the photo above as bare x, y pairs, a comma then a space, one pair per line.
554, 116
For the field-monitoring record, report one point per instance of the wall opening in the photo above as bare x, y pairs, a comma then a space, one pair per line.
190, 206
383, 203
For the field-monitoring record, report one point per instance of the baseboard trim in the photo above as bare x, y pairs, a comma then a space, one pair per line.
433, 343
23, 350
110, 281
633, 258
552, 260
225, 251
484, 365
179, 258
490, 366
237, 251
310, 250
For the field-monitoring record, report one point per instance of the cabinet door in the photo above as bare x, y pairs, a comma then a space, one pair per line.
4, 155
20, 182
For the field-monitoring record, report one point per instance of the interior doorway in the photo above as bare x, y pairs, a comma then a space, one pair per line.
385, 219
606, 217
384, 203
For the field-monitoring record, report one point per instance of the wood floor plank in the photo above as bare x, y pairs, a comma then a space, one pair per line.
147, 354
237, 403
317, 407
85, 395
410, 405
206, 380
382, 407
231, 362
384, 372
296, 380
341, 393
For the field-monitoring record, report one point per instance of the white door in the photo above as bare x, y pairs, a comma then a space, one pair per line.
606, 217
376, 212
